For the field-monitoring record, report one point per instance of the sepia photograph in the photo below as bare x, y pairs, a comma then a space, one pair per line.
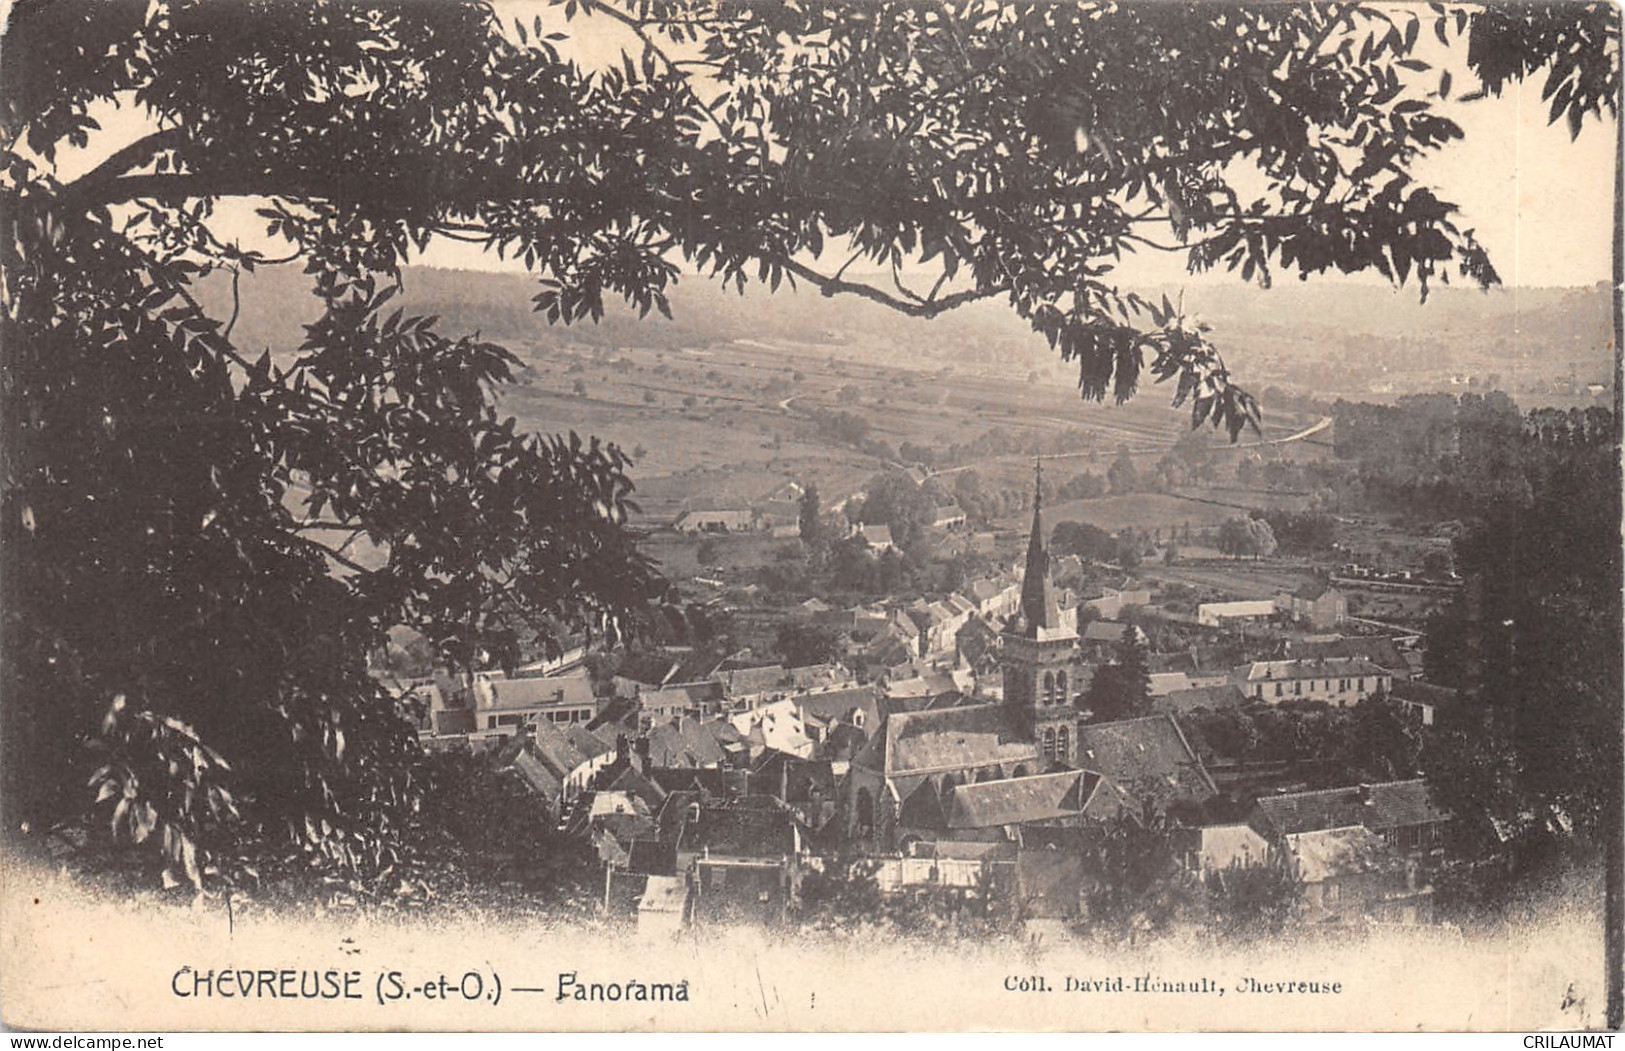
811, 516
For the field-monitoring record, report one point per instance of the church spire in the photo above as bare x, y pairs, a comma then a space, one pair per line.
1038, 607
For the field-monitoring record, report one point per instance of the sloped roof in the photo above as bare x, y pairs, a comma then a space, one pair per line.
831, 705
891, 652
586, 742
798, 777
877, 535
1424, 693
1234, 844
688, 744
1392, 804
1329, 853
453, 721
742, 681
920, 805
741, 830
1104, 631
1016, 800
556, 749
985, 588
1212, 698
536, 774
1376, 649
1148, 758
683, 695
1313, 590
543, 692
810, 675
1286, 671
710, 781
651, 669
954, 739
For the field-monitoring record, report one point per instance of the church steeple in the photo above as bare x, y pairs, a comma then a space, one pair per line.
1039, 658
1039, 610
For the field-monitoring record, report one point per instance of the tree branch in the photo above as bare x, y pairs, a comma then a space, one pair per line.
830, 286
141, 150
342, 560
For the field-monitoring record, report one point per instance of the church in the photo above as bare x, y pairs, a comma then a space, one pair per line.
977, 770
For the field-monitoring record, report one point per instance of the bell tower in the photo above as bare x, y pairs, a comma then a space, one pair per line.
1040, 657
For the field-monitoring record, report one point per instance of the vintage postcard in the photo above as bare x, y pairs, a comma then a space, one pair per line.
604, 515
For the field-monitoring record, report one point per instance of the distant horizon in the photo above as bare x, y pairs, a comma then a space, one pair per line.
1218, 279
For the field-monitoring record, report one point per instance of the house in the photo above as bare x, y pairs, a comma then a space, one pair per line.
818, 677
777, 725
808, 788
1351, 875
973, 867
1210, 698
949, 517
890, 654
719, 520
976, 644
685, 742
1401, 812
823, 711
570, 754
781, 518
1422, 701
1336, 682
501, 702
750, 683
1316, 604
1165, 682
1229, 614
813, 608
1220, 848
743, 860
937, 623
993, 599
924, 687
1110, 606
1199, 667
878, 537
687, 698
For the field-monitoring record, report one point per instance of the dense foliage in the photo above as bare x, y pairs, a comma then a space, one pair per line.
204, 545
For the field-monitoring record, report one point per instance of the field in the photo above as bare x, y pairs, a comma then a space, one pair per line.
730, 422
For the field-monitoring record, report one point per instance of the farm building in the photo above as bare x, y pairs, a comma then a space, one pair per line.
1219, 614
721, 520
1316, 604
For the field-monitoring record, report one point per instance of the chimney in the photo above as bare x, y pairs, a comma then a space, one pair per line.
640, 751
